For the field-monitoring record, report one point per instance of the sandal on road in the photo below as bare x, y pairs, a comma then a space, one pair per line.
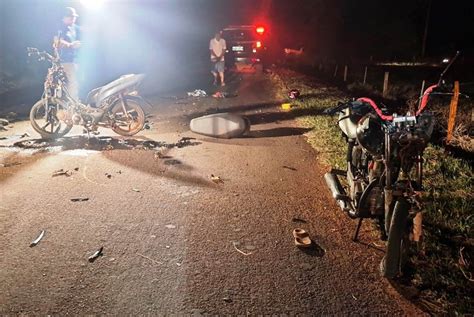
302, 239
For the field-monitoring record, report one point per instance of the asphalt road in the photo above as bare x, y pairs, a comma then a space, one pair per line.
174, 242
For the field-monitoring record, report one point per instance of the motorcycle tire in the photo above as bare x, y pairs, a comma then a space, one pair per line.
62, 128
391, 264
134, 109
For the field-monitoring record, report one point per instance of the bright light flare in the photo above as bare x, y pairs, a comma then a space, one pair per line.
260, 30
446, 60
259, 44
92, 4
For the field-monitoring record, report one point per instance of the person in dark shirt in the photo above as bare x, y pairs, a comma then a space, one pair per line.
68, 42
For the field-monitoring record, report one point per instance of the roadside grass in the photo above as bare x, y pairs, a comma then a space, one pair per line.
442, 272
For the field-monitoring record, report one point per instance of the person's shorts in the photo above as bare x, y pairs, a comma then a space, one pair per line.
218, 66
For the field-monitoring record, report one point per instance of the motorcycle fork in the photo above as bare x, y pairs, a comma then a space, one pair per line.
418, 219
388, 190
124, 107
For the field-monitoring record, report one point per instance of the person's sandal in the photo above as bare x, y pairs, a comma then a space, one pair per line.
302, 239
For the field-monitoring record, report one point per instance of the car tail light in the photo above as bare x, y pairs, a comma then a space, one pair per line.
260, 30
259, 44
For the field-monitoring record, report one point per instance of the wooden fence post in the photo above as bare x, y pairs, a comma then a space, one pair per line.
365, 75
453, 108
335, 70
345, 73
385, 84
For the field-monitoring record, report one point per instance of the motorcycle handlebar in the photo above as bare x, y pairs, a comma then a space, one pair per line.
340, 106
41, 55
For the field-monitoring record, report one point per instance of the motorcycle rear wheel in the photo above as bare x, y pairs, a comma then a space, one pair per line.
129, 122
392, 263
49, 125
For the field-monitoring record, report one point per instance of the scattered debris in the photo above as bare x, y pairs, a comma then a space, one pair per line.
185, 141
97, 254
170, 226
60, 172
76, 169
179, 264
197, 93
37, 240
294, 94
216, 179
286, 106
9, 164
79, 199
289, 168
158, 155
4, 122
355, 298
145, 257
109, 176
136, 190
240, 251
25, 135
227, 299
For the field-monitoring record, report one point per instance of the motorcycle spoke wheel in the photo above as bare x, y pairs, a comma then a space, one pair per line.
392, 262
127, 118
45, 121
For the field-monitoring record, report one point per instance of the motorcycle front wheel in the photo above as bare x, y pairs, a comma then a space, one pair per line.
397, 242
46, 119
127, 116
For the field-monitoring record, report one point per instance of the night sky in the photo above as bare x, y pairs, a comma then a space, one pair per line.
163, 35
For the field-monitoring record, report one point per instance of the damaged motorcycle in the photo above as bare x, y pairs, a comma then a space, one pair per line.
117, 105
384, 175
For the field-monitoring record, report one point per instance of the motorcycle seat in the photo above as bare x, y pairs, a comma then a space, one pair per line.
98, 95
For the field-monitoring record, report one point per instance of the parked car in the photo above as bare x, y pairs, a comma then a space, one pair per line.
246, 47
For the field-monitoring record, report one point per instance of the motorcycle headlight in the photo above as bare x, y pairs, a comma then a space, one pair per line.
370, 135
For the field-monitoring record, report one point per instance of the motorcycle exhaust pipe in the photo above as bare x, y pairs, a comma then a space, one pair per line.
339, 194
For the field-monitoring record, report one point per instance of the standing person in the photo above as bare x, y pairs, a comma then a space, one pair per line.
68, 42
217, 47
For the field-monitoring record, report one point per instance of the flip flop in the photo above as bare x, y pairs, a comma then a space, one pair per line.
302, 238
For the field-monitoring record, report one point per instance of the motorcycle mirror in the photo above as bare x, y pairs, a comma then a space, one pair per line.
450, 63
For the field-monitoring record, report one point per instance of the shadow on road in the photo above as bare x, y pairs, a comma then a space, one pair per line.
278, 132
153, 158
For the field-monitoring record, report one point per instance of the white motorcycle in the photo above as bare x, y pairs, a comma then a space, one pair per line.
117, 105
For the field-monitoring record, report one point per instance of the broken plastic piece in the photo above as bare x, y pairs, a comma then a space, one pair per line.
197, 93
79, 199
60, 172
216, 179
97, 254
37, 240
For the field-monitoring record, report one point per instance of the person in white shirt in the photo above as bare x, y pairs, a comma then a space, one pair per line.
217, 46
